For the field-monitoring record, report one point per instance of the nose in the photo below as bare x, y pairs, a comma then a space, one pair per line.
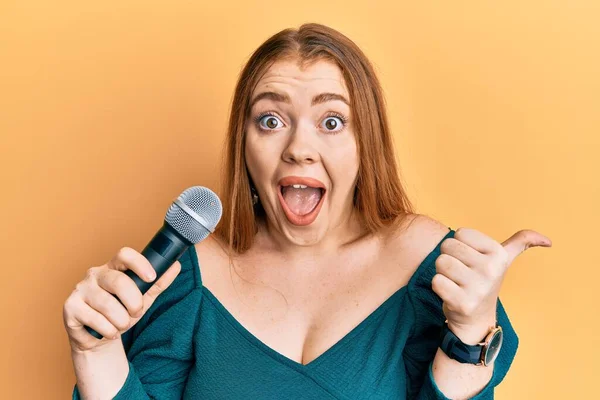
301, 148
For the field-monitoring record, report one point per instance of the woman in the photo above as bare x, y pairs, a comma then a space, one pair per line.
320, 282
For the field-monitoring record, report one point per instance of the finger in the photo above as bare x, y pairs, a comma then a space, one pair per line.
448, 290
107, 305
462, 252
477, 240
454, 269
521, 241
128, 258
161, 284
86, 315
123, 287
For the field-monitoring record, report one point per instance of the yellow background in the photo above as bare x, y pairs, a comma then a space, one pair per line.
108, 110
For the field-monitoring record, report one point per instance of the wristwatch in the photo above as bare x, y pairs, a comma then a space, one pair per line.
483, 353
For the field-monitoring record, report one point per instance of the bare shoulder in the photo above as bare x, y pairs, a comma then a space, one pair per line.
430, 228
212, 259
415, 238
417, 229
211, 245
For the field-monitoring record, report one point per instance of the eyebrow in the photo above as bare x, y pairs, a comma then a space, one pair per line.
284, 98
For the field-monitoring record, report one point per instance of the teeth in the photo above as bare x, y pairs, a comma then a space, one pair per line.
299, 186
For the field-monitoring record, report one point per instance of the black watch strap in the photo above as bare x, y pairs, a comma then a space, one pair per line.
457, 350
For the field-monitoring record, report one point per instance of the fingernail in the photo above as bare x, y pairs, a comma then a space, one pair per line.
151, 275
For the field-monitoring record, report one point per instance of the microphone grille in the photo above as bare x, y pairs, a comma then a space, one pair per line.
195, 213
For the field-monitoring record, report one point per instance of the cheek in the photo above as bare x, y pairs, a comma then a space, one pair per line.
350, 170
343, 164
258, 164
348, 156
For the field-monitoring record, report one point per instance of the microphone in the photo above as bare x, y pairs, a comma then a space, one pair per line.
190, 219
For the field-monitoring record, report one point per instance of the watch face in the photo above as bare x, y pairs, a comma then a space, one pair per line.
494, 347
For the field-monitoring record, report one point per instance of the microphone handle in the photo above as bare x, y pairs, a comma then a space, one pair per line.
163, 250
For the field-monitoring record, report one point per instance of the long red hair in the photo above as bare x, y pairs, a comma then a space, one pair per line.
379, 197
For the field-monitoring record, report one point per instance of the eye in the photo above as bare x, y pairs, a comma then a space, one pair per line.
269, 120
334, 123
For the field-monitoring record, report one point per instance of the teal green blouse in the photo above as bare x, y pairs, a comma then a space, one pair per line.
188, 346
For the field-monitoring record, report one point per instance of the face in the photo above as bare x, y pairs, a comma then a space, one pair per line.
301, 151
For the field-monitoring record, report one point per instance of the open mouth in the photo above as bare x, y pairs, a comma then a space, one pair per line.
301, 199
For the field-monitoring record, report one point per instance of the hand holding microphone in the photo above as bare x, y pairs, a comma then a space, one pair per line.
113, 297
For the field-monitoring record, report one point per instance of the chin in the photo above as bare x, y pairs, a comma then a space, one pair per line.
304, 235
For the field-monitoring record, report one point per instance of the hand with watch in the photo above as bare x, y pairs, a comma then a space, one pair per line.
469, 272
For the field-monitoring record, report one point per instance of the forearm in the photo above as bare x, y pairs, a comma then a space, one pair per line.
458, 380
100, 374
